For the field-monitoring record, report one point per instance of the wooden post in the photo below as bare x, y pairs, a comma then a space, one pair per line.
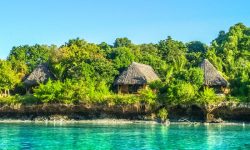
118, 89
125, 88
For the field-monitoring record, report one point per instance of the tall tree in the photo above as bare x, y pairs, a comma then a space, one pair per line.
173, 52
78, 59
8, 77
122, 42
30, 56
196, 52
121, 57
233, 49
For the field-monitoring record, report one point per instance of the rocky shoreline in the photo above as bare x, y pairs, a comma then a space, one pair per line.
131, 113
118, 122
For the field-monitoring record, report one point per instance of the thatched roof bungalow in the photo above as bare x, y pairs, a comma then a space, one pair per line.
40, 74
135, 77
212, 77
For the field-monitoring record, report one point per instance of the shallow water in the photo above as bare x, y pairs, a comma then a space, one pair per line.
123, 136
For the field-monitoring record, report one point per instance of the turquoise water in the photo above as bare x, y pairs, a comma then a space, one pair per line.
123, 137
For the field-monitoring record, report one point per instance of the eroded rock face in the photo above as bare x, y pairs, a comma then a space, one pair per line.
186, 113
233, 113
230, 112
76, 112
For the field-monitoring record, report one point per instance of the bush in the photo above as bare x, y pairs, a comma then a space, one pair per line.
162, 114
179, 92
8, 100
49, 92
72, 91
208, 96
156, 85
27, 99
17, 99
147, 96
122, 99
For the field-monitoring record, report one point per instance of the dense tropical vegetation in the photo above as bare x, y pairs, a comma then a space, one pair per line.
85, 72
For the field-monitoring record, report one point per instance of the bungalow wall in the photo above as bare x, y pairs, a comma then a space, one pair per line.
220, 89
129, 88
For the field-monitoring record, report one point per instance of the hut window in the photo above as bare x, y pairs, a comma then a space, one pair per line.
134, 88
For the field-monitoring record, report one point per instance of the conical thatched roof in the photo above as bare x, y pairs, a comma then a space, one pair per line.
137, 73
212, 77
40, 74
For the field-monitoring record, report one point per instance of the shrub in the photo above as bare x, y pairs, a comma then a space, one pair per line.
147, 96
8, 100
72, 91
49, 92
162, 114
156, 85
27, 99
208, 96
123, 99
179, 93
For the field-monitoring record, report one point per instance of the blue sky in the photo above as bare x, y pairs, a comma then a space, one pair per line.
142, 21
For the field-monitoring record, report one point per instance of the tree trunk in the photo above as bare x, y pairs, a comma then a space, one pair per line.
208, 109
5, 94
209, 117
27, 91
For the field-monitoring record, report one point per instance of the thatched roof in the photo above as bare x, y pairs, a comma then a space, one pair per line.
40, 74
137, 73
212, 77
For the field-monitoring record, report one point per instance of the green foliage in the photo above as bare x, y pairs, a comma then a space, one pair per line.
230, 50
129, 99
8, 100
118, 99
147, 96
88, 92
80, 60
17, 99
86, 71
182, 88
214, 59
179, 92
49, 92
174, 52
156, 85
122, 42
71, 91
196, 46
208, 96
27, 99
29, 55
104, 70
122, 57
104, 48
162, 114
8, 77
149, 54
196, 53
193, 76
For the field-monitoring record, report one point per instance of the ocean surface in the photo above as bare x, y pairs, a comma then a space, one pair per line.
27, 136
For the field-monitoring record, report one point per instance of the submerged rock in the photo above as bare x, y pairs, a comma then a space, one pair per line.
219, 120
51, 118
40, 118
